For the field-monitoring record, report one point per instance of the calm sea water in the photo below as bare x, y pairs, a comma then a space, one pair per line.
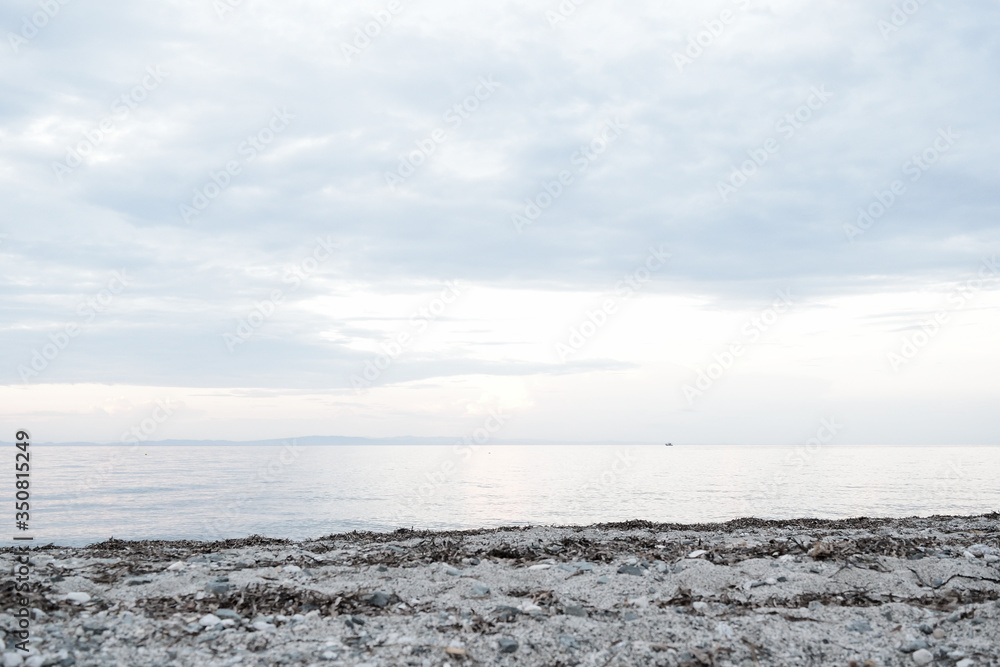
87, 494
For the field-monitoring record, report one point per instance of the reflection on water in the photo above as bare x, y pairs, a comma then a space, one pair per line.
85, 494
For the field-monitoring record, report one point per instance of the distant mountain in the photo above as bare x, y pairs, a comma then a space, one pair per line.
326, 440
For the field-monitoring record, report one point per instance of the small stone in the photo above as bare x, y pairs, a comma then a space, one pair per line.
699, 606
576, 610
378, 599
508, 645
173, 567
77, 597
208, 620
94, 627
506, 613
633, 570
630, 616
217, 587
860, 625
227, 613
539, 566
479, 591
34, 661
569, 641
602, 580
926, 628
382, 568
923, 657
292, 569
965, 662
914, 646
584, 566
698, 553
452, 572
938, 633
565, 567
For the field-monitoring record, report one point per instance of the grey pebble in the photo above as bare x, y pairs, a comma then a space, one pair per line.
633, 570
378, 599
479, 591
914, 646
508, 645
576, 610
506, 613
860, 626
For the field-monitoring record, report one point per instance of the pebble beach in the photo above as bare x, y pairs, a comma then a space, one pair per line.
749, 592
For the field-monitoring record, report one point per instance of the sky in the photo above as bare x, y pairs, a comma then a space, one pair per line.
721, 222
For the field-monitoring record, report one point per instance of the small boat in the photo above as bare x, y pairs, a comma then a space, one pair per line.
669, 444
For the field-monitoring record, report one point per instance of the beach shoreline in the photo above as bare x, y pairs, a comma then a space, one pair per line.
922, 590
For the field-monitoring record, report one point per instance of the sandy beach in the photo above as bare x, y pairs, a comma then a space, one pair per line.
748, 592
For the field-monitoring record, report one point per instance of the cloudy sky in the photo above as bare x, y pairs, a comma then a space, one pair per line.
705, 222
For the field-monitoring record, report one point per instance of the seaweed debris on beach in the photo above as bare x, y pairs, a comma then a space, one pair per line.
746, 592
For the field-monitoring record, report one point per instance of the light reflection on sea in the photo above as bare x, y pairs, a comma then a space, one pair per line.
83, 494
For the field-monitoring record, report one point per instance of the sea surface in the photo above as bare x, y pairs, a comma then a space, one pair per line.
85, 494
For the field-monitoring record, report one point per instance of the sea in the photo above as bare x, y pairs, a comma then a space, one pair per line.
86, 494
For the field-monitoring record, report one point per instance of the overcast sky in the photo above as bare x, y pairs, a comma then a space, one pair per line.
703, 222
